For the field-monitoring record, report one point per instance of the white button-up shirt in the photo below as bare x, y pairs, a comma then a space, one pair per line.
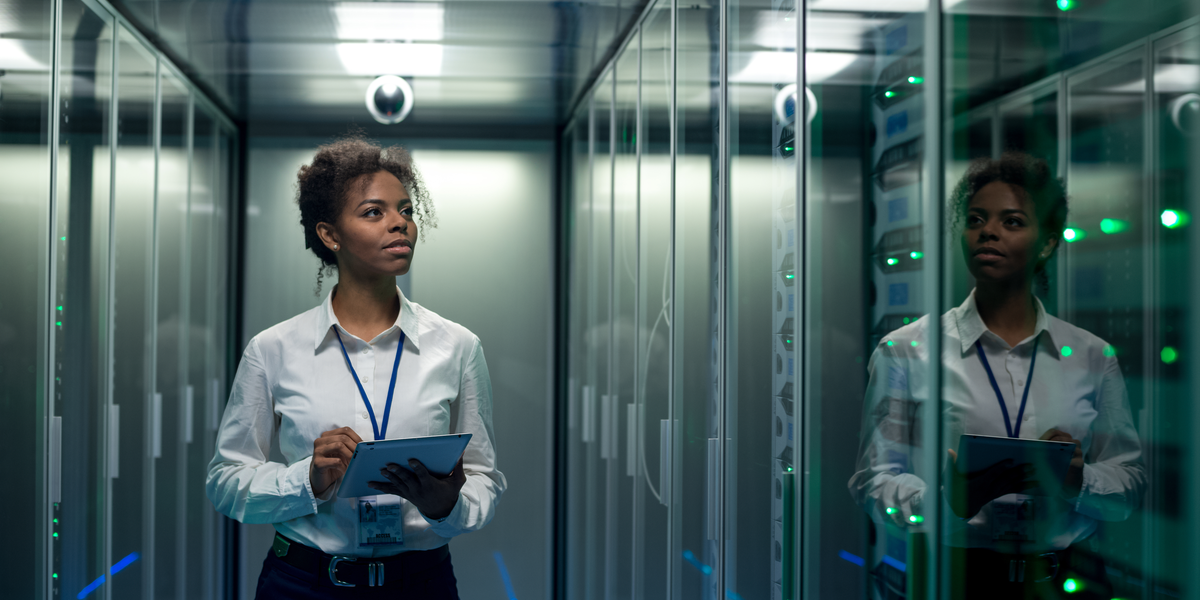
293, 384
1077, 388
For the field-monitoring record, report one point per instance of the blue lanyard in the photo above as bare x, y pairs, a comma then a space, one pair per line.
1012, 433
387, 408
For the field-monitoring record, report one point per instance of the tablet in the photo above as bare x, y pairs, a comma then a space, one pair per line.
1051, 460
439, 454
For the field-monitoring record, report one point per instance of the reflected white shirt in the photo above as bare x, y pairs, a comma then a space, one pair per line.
1077, 388
293, 384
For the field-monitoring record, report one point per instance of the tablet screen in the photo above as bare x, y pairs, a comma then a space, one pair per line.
439, 454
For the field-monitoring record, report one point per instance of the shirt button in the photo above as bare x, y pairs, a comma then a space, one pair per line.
366, 350
1020, 382
364, 415
1026, 418
366, 379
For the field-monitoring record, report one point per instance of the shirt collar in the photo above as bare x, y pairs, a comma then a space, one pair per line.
326, 319
971, 326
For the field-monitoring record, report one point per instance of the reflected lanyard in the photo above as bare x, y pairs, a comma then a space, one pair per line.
1012, 433
387, 408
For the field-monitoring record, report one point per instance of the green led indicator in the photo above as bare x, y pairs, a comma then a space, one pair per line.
55, 575
1065, 5
55, 534
1110, 351
891, 510
789, 276
915, 343
889, 94
906, 320
1071, 586
916, 255
63, 238
891, 343
1073, 234
790, 469
1112, 226
59, 323
55, 520
60, 308
1067, 351
916, 80
788, 148
1169, 355
1172, 219
891, 261
916, 519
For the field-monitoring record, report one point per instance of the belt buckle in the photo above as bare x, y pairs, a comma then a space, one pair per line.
333, 563
375, 574
1054, 564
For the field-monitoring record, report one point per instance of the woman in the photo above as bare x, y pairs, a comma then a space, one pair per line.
365, 364
1009, 369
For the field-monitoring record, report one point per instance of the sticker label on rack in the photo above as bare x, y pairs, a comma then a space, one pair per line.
379, 521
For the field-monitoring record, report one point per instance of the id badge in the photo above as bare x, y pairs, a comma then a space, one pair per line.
379, 521
1014, 519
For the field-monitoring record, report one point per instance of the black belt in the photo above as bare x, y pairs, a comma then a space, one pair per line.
1015, 568
358, 571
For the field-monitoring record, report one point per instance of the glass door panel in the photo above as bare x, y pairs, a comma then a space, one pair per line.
598, 383
132, 304
199, 420
171, 400
695, 411
24, 307
81, 298
651, 544
618, 411
579, 158
761, 297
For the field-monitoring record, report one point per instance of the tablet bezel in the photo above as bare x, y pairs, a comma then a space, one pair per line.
439, 454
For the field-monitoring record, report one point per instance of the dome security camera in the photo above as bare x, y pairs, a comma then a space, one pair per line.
389, 99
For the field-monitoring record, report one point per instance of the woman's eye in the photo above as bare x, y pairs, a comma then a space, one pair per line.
407, 212
1016, 222
372, 212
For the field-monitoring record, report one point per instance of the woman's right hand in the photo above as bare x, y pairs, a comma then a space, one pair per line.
968, 493
331, 455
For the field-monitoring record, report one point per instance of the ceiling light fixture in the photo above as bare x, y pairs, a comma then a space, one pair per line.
389, 99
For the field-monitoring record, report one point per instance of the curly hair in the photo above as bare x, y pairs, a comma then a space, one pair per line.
325, 184
1030, 175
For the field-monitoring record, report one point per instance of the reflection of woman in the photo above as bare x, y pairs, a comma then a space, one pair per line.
1008, 369
323, 381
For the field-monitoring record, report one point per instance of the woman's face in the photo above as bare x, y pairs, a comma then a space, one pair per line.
1002, 240
375, 233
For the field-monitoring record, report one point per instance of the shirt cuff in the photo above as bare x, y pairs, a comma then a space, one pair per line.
300, 470
454, 517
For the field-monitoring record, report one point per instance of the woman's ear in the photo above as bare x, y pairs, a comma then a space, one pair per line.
1048, 249
328, 236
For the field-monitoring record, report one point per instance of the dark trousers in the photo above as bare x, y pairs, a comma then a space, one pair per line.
984, 575
280, 580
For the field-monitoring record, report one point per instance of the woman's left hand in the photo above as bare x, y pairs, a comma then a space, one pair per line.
1073, 483
434, 496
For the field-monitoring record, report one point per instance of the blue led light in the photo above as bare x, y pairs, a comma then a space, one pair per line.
121, 564
846, 556
508, 587
895, 564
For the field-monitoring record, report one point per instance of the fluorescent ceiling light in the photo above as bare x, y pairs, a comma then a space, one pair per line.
870, 6
780, 67
391, 58
13, 57
410, 21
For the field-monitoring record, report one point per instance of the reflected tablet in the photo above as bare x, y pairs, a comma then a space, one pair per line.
439, 454
1051, 460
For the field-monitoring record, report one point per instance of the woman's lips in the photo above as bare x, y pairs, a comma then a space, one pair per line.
399, 250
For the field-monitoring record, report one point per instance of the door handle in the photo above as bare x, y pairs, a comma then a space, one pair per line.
664, 462
55, 460
589, 435
632, 434
156, 425
606, 426
114, 441
189, 403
